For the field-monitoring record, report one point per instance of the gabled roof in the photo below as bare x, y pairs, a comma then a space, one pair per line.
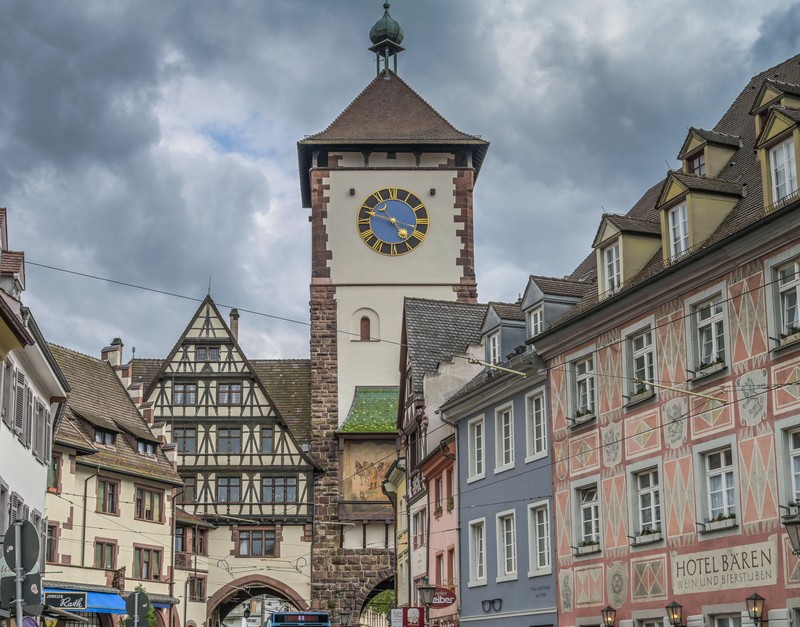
387, 113
435, 330
792, 116
288, 382
711, 137
552, 286
374, 411
774, 85
624, 224
742, 170
98, 398
508, 311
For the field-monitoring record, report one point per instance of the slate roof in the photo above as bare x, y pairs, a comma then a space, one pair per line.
742, 171
288, 383
98, 397
508, 311
437, 329
374, 410
705, 184
387, 113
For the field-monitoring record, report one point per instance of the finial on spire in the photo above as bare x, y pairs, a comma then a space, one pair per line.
209, 285
386, 36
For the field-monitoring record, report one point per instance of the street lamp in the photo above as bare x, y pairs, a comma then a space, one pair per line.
426, 591
345, 617
792, 525
755, 608
675, 614
609, 616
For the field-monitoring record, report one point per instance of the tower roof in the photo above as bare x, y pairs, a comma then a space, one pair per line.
386, 28
387, 114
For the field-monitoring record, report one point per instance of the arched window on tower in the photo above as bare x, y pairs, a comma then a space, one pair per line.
365, 325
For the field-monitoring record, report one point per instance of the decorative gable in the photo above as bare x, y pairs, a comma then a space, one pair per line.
705, 153
773, 93
777, 145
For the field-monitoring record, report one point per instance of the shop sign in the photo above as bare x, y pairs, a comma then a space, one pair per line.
443, 597
724, 569
66, 600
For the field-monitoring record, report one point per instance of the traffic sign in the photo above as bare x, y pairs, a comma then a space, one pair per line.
28, 549
137, 604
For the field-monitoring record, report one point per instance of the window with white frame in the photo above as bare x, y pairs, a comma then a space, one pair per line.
642, 361
475, 448
504, 438
584, 387
506, 546
589, 509
726, 620
611, 266
477, 552
494, 348
535, 427
535, 321
648, 502
677, 218
539, 538
720, 484
783, 170
788, 291
794, 457
709, 321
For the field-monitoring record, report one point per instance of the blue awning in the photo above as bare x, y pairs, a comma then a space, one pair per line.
100, 602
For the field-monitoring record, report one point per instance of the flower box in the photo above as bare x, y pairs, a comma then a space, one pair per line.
647, 538
717, 525
705, 370
587, 549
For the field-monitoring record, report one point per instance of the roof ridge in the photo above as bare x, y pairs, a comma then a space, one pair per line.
72, 350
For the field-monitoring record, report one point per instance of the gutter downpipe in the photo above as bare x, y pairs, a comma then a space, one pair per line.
83, 526
456, 487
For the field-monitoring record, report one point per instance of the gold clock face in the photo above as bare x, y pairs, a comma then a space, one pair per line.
392, 221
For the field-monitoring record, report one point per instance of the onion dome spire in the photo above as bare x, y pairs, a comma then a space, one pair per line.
386, 36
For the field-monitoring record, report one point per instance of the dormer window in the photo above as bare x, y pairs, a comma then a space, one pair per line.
147, 448
697, 164
678, 230
783, 170
104, 437
535, 321
613, 276
494, 348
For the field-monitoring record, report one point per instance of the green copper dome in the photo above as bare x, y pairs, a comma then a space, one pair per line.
386, 28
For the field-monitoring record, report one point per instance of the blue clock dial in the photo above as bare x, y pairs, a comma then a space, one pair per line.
392, 221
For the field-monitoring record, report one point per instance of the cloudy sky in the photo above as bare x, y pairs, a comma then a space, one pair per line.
154, 143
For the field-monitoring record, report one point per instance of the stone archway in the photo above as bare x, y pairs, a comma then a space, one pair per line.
255, 581
381, 580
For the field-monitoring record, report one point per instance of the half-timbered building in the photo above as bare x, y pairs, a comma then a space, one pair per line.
248, 481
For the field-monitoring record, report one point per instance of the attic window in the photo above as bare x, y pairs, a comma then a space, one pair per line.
613, 276
697, 163
783, 170
104, 437
678, 230
147, 448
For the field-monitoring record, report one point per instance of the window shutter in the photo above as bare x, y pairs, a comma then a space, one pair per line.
8, 392
15, 505
26, 512
48, 436
28, 417
19, 404
43, 545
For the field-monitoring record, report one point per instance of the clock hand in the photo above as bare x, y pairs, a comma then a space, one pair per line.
391, 218
401, 232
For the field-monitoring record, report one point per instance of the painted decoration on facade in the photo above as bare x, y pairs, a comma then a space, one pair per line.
758, 478
617, 583
612, 444
561, 453
642, 435
711, 416
679, 501
735, 566
589, 585
363, 464
791, 565
786, 379
675, 416
609, 388
671, 343
614, 498
648, 578
583, 453
565, 590
747, 314
563, 520
751, 397
558, 396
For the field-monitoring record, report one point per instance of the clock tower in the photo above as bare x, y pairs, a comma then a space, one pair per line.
389, 184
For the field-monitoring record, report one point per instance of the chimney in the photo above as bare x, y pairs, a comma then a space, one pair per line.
113, 354
235, 324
